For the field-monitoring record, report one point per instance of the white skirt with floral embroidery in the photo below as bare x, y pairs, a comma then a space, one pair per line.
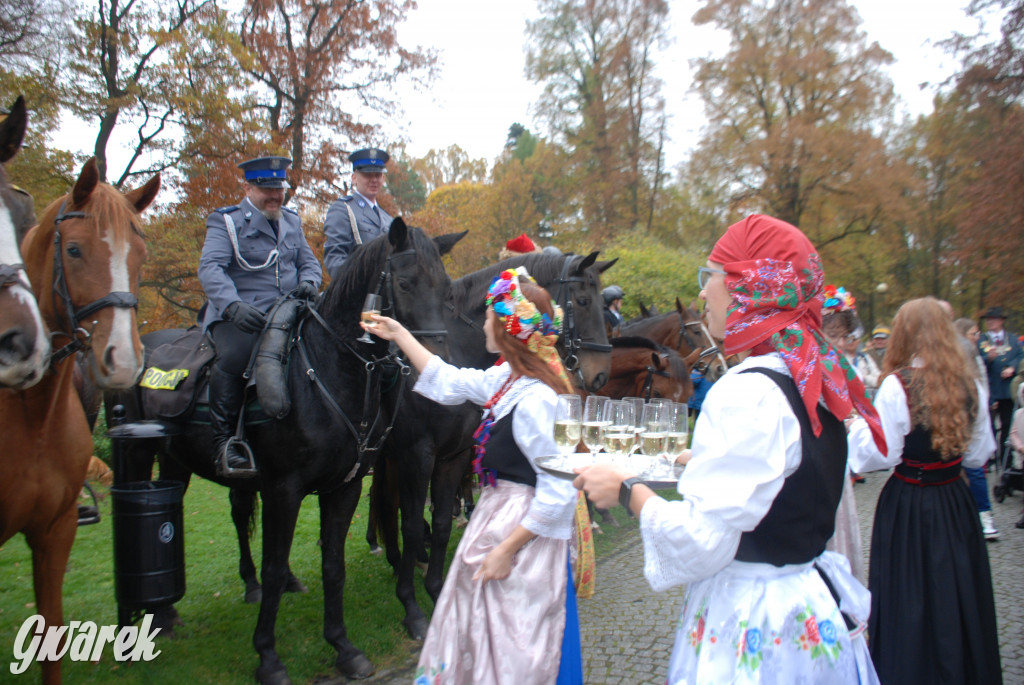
758, 623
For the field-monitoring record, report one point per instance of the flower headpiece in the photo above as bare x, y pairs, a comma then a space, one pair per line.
521, 319
837, 300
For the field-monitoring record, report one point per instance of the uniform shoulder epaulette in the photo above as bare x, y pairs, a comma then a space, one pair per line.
290, 210
225, 210
21, 190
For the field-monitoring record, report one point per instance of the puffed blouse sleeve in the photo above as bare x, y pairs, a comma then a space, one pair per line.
891, 405
448, 384
745, 443
554, 499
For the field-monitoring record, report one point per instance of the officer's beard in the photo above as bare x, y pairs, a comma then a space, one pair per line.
271, 214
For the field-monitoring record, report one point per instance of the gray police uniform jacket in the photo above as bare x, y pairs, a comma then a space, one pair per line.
226, 281
340, 241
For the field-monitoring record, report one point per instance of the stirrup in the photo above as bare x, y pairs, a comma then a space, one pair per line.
248, 471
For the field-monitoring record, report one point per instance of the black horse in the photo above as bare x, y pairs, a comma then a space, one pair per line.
334, 384
431, 445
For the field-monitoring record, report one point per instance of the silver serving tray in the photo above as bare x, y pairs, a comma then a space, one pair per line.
657, 475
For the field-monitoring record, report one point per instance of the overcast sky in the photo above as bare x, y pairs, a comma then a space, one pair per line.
481, 89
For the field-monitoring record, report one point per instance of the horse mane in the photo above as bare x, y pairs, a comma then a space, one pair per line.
636, 341
542, 267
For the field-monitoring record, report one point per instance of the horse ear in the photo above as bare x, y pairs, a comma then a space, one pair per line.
398, 233
12, 130
86, 183
643, 311
657, 361
692, 358
679, 305
446, 242
142, 197
604, 266
586, 263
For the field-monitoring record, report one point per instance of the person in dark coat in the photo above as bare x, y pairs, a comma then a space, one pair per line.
356, 218
254, 253
1001, 352
612, 305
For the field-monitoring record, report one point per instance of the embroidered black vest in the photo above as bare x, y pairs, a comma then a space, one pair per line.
504, 456
803, 516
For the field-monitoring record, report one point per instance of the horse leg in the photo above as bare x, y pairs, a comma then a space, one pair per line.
336, 510
371, 521
51, 548
243, 508
412, 499
384, 506
447, 481
280, 513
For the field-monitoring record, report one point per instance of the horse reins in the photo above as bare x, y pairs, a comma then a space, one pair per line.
119, 300
571, 339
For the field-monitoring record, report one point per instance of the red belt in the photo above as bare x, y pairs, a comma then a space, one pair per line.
928, 473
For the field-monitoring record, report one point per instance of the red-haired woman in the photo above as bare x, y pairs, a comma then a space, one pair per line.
508, 603
932, 613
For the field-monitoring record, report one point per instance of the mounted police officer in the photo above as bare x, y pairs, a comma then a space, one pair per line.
254, 252
357, 218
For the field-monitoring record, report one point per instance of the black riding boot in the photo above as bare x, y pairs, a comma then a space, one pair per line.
227, 392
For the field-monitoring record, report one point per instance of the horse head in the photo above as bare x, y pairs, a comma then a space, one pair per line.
405, 268
24, 344
643, 368
85, 257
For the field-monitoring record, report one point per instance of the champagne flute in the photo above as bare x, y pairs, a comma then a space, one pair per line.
638, 412
371, 306
567, 423
593, 420
653, 439
617, 434
678, 431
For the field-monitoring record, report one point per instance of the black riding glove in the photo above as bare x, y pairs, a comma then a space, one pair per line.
246, 318
307, 290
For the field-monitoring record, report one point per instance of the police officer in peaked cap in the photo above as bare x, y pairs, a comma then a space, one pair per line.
254, 253
357, 218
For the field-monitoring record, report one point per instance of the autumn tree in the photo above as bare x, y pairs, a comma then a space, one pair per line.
323, 66
452, 165
797, 108
602, 102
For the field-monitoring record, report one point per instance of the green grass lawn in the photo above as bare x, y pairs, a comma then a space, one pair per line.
215, 644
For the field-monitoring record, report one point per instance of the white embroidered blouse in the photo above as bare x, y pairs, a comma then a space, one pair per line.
533, 424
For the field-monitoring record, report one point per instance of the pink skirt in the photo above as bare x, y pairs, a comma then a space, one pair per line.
505, 631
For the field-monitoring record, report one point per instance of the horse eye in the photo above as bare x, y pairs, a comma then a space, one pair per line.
74, 251
583, 301
404, 286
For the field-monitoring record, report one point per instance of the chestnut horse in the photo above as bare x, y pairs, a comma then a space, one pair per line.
24, 345
643, 368
84, 259
684, 331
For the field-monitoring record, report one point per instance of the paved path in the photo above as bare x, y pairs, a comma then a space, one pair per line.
617, 648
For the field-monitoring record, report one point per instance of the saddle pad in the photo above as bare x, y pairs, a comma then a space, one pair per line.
174, 373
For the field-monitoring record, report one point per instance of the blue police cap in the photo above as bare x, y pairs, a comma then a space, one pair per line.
266, 172
369, 160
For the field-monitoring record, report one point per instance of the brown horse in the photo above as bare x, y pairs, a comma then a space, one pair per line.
684, 331
643, 368
84, 259
24, 345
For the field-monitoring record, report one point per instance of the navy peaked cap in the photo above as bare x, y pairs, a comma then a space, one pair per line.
369, 160
266, 172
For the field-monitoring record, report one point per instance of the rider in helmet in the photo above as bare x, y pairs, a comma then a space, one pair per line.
612, 304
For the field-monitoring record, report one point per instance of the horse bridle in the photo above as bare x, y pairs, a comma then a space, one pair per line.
79, 336
571, 339
712, 350
648, 387
386, 287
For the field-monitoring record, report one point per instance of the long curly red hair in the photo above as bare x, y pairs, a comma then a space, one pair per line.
941, 391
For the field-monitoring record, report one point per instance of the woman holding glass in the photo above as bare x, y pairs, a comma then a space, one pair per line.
507, 612
761, 488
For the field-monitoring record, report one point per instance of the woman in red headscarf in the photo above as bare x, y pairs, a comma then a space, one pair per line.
761, 489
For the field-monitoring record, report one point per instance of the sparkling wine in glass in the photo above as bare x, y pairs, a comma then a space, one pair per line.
371, 306
568, 423
677, 421
618, 437
593, 422
653, 439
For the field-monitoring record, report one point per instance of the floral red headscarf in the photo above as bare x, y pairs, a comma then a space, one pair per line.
775, 277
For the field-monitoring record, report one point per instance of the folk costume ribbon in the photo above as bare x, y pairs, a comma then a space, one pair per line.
775, 277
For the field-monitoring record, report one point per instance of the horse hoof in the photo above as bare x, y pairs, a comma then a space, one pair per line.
254, 596
275, 676
356, 668
295, 585
376, 551
416, 627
